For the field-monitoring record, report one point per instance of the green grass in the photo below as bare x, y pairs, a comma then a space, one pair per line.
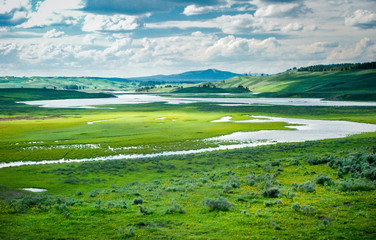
258, 193
187, 181
343, 85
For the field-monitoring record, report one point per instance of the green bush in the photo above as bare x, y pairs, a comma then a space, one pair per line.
356, 185
308, 209
145, 210
307, 187
296, 207
323, 180
220, 204
271, 192
174, 207
137, 201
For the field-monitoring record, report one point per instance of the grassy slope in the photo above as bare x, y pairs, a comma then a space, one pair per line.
62, 82
358, 83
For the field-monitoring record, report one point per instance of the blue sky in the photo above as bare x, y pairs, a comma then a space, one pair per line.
123, 38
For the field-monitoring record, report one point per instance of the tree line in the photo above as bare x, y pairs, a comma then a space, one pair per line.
338, 67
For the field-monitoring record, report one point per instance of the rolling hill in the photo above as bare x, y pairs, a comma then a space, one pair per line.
350, 84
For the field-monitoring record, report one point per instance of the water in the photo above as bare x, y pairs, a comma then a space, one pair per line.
307, 130
146, 98
34, 189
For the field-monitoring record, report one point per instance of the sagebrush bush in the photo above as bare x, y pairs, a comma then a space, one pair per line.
220, 204
145, 210
308, 209
271, 192
323, 180
296, 207
307, 187
137, 201
321, 160
356, 185
174, 207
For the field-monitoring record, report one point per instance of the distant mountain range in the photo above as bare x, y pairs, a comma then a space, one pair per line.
209, 75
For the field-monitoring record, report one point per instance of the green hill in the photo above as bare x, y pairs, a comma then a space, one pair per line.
350, 84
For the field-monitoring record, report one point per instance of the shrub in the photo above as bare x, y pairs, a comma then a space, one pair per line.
296, 207
307, 187
110, 204
250, 180
174, 208
308, 209
272, 203
323, 180
271, 192
275, 225
220, 204
321, 160
94, 193
356, 185
145, 210
137, 201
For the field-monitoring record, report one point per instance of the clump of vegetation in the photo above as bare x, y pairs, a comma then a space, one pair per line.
144, 210
220, 204
356, 185
271, 192
272, 202
357, 165
321, 159
304, 187
138, 201
174, 207
323, 180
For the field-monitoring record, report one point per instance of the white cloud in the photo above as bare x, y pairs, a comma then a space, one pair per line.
52, 12
14, 12
89, 39
232, 46
196, 10
292, 27
362, 19
110, 23
282, 10
53, 34
7, 48
364, 50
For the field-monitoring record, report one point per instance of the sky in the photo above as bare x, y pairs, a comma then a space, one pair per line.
130, 38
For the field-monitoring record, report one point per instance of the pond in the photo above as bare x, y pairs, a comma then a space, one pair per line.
148, 98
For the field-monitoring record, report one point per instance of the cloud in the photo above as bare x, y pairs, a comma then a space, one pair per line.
196, 10
364, 50
53, 34
232, 46
283, 10
292, 27
318, 48
110, 23
89, 39
55, 12
7, 48
140, 7
14, 12
362, 19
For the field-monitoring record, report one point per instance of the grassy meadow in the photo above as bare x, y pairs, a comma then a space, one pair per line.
311, 190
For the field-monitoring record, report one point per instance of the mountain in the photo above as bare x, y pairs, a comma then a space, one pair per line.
209, 75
